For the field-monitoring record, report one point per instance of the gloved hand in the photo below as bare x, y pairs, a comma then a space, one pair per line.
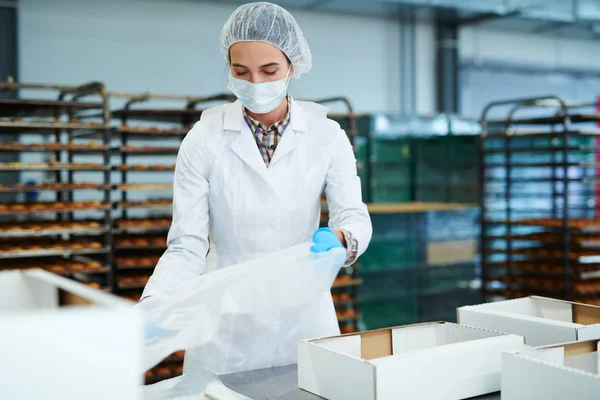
325, 239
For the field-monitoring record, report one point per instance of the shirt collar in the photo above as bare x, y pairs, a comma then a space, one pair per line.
282, 123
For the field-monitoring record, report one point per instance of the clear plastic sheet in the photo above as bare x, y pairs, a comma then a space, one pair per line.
245, 317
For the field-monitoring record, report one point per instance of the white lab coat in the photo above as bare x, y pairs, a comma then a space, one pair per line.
224, 190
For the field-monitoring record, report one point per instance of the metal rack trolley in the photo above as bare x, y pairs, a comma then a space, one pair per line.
162, 124
538, 180
60, 119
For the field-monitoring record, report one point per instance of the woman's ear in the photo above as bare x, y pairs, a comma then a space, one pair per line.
291, 73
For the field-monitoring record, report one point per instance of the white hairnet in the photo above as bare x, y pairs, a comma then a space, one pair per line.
269, 23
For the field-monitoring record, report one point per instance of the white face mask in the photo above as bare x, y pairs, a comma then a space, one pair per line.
260, 98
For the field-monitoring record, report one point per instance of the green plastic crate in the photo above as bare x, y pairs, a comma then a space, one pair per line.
386, 313
391, 194
390, 255
398, 150
390, 174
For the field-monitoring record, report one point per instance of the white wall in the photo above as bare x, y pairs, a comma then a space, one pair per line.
173, 47
544, 50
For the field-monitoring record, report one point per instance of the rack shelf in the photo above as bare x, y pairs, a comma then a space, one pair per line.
53, 167
52, 252
43, 108
23, 233
348, 318
144, 168
347, 283
43, 208
60, 187
163, 203
53, 148
148, 150
553, 120
183, 116
145, 186
20, 126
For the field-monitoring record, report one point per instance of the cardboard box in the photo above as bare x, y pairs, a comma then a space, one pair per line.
542, 321
566, 371
454, 251
425, 361
60, 339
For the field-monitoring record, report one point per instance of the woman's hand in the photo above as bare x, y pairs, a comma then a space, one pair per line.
325, 239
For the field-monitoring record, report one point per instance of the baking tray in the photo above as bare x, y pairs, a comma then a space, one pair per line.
575, 118
517, 270
140, 205
63, 210
52, 232
348, 283
173, 115
174, 358
133, 267
145, 186
51, 252
147, 168
9, 127
551, 239
530, 287
44, 148
140, 231
43, 108
349, 318
144, 151
149, 247
65, 187
131, 286
54, 167
102, 270
557, 228
546, 149
581, 259
514, 165
347, 303
149, 131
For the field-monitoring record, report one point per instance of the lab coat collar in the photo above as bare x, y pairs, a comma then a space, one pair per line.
244, 145
234, 117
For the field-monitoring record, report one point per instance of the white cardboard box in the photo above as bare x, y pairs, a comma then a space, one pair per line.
542, 321
89, 348
566, 371
425, 361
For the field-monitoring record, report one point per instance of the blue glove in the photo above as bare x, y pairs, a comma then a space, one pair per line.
325, 240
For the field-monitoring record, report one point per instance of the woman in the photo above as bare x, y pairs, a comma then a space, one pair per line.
250, 174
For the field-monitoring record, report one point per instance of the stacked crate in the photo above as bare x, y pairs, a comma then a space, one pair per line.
447, 169
429, 159
420, 265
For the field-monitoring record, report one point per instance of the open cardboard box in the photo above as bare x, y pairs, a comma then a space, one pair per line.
542, 321
566, 371
436, 360
60, 339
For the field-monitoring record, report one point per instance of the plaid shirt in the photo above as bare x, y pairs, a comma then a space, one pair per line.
267, 140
